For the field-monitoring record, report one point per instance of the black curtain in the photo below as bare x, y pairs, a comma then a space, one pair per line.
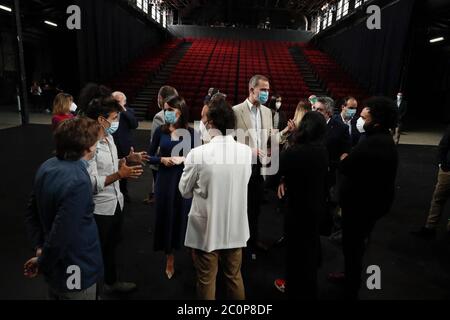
111, 37
375, 58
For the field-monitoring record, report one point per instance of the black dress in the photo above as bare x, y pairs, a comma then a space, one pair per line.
172, 209
304, 168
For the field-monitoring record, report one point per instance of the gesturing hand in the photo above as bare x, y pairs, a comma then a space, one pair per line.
31, 268
281, 190
126, 172
138, 157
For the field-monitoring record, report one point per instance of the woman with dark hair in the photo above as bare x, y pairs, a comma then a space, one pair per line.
90, 92
171, 209
280, 119
304, 168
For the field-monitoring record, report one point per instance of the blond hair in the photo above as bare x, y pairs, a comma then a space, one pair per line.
302, 108
62, 103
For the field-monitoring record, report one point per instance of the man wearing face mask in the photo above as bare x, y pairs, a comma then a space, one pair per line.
338, 143
105, 171
122, 137
368, 187
255, 120
349, 108
203, 131
60, 217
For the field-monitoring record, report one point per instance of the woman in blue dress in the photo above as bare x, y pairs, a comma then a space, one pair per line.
171, 143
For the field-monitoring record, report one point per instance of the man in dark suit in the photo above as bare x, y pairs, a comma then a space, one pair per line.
338, 144
123, 137
368, 187
402, 107
349, 109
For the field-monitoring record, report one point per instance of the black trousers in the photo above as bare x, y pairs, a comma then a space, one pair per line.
255, 197
110, 232
356, 230
124, 186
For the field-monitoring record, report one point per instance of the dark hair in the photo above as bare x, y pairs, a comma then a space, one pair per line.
312, 129
165, 93
221, 115
90, 92
273, 102
75, 136
345, 100
214, 91
383, 112
183, 121
102, 107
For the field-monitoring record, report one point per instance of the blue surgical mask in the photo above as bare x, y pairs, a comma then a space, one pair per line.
263, 97
170, 117
113, 128
350, 113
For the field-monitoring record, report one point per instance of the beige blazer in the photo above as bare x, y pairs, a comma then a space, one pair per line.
244, 122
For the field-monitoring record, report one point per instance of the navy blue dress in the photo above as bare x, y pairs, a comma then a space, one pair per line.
171, 208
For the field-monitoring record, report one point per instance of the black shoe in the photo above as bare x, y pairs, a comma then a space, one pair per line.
425, 233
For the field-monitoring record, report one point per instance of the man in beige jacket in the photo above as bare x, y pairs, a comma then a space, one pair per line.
254, 127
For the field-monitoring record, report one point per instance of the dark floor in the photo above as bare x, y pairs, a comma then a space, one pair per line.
411, 268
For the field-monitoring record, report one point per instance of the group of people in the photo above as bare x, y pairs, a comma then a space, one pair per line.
209, 184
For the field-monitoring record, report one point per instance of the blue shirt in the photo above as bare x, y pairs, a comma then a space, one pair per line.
60, 220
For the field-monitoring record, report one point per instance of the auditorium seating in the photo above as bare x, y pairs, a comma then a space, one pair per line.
338, 82
137, 74
229, 64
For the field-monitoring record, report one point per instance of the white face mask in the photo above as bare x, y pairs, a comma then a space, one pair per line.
204, 132
73, 107
360, 125
278, 105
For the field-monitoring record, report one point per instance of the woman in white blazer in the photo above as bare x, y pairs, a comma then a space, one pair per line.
216, 175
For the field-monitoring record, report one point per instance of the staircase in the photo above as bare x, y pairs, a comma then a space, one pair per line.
146, 103
314, 84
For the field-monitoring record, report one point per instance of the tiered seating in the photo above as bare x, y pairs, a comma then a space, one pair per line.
222, 71
252, 61
135, 76
189, 73
229, 65
338, 82
285, 76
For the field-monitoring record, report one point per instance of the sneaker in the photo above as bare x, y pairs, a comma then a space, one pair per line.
425, 233
280, 284
120, 287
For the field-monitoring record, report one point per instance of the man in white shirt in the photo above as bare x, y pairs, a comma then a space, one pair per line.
216, 175
105, 171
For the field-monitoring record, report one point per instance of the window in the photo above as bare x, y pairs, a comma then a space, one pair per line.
154, 10
339, 10
145, 6
324, 21
345, 8
330, 17
318, 26
139, 4
358, 3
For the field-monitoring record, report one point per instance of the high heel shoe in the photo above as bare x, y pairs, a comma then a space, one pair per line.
170, 269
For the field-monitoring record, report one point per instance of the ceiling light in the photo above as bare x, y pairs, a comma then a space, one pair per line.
437, 40
5, 8
50, 23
